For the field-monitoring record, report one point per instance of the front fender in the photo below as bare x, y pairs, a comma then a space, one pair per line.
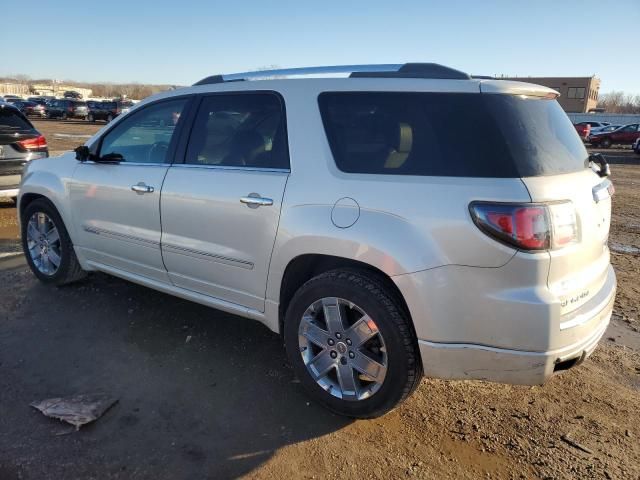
50, 178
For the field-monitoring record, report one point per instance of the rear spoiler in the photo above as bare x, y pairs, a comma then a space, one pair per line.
517, 88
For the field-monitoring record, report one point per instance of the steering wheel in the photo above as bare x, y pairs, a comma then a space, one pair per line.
157, 149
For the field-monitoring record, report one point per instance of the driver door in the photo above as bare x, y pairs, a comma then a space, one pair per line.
116, 206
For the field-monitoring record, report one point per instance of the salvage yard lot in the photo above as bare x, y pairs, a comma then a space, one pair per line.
209, 395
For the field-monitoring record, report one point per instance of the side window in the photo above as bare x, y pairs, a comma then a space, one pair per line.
145, 136
572, 92
239, 130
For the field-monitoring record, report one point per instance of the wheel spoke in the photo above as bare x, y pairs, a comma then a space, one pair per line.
42, 223
361, 331
53, 235
321, 364
54, 257
314, 333
369, 367
332, 314
347, 380
32, 231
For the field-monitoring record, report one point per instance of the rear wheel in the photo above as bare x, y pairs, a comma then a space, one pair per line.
47, 246
109, 118
64, 116
606, 143
90, 118
351, 344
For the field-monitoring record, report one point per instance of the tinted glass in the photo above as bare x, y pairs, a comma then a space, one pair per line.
240, 130
108, 105
450, 134
145, 136
12, 121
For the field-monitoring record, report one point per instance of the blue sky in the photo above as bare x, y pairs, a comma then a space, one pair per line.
180, 42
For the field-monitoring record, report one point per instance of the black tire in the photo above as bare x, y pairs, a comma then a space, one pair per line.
64, 116
368, 291
605, 143
69, 269
109, 118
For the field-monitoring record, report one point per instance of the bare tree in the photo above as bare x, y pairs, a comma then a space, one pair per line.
619, 102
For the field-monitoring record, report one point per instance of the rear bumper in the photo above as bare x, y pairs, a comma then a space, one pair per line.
478, 362
503, 324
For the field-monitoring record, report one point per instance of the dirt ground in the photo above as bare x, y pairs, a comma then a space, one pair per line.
204, 394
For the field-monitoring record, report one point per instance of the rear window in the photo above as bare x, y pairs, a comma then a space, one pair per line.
13, 121
450, 134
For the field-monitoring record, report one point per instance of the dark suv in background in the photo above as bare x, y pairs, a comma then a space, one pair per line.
20, 142
106, 111
67, 108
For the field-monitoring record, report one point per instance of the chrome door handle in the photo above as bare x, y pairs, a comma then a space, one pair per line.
142, 187
254, 200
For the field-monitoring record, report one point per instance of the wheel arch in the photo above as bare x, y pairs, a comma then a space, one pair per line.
304, 267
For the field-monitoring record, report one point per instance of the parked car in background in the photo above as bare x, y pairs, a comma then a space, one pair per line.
494, 266
584, 130
38, 100
636, 146
72, 94
9, 98
625, 135
594, 124
67, 108
107, 110
605, 129
31, 108
20, 142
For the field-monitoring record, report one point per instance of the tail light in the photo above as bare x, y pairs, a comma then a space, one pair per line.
37, 143
70, 108
528, 226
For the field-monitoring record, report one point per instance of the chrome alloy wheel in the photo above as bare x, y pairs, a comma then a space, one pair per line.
342, 348
43, 243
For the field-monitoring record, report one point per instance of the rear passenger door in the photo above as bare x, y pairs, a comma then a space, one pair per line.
221, 206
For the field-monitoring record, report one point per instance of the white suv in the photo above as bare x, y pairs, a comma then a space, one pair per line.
387, 220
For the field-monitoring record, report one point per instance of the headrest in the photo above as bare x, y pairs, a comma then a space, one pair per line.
404, 138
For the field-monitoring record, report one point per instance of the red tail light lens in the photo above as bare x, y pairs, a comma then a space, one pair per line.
523, 226
37, 143
528, 226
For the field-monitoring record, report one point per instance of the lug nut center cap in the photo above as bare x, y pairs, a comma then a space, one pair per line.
341, 347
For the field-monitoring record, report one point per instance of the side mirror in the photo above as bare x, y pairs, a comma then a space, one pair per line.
82, 153
599, 159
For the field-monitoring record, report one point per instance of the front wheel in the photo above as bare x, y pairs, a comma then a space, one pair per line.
47, 246
351, 343
606, 143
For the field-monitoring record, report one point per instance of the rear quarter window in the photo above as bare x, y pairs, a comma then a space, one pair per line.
13, 121
450, 134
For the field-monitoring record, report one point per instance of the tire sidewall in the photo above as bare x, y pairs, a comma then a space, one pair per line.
66, 247
392, 389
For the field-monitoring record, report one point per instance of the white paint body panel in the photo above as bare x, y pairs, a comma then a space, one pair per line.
480, 309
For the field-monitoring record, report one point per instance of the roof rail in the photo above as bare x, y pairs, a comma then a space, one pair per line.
391, 70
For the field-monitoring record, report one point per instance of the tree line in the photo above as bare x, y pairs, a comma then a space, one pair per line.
136, 91
619, 102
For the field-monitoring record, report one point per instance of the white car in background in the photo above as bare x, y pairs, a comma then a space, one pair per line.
347, 215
